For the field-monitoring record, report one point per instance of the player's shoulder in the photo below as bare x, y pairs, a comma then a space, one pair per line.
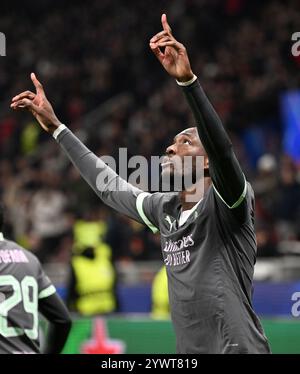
247, 195
250, 190
161, 199
240, 212
13, 246
158, 198
250, 196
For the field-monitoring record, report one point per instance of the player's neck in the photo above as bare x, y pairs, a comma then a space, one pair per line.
192, 195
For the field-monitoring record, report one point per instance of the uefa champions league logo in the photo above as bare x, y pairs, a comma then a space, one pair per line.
2, 44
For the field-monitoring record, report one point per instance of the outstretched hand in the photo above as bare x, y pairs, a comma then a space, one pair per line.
38, 104
174, 57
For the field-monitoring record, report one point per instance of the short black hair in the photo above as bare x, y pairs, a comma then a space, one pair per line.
1, 217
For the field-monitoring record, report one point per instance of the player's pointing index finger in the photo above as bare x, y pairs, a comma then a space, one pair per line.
37, 84
165, 24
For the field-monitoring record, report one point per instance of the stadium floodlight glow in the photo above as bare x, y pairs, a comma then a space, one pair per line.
2, 44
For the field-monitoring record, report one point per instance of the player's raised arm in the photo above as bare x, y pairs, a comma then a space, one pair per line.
38, 104
113, 190
225, 171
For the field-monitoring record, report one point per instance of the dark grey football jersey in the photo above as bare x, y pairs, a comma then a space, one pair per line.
210, 263
210, 259
22, 284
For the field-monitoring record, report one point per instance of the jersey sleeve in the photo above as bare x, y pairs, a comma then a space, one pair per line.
228, 179
241, 214
108, 185
55, 311
45, 286
148, 209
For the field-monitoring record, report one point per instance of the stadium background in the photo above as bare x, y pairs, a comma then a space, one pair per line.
98, 71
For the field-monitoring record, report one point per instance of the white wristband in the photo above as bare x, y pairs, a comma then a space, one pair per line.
188, 82
58, 131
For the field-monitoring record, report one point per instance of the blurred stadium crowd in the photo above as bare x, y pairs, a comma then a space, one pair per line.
87, 53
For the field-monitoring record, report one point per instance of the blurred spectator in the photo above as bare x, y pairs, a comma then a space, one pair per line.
48, 219
266, 240
160, 295
288, 201
265, 186
91, 288
92, 279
